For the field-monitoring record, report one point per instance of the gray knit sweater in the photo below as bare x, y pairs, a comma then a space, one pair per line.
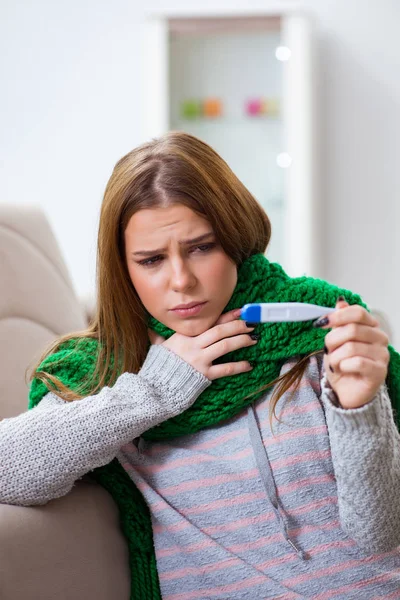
45, 450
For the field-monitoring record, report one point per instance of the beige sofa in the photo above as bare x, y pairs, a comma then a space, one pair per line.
72, 548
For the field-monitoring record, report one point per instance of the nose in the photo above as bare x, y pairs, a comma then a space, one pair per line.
181, 278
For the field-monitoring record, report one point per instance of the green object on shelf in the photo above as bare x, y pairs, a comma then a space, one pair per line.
191, 109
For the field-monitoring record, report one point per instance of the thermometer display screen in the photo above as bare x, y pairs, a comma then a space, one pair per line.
276, 313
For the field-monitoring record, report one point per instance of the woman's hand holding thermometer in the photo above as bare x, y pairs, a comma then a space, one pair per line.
356, 349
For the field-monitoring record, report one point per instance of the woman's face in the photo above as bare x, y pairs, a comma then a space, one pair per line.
174, 258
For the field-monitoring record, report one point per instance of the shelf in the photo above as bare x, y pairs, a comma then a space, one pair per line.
231, 121
204, 58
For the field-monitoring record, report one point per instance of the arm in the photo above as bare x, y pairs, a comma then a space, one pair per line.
45, 450
365, 446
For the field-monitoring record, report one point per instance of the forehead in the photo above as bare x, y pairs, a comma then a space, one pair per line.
163, 221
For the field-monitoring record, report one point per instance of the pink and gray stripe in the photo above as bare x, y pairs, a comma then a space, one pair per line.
216, 534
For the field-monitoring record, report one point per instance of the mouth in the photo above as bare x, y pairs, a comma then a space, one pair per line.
190, 310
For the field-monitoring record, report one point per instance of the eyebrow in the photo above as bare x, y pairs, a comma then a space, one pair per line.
200, 238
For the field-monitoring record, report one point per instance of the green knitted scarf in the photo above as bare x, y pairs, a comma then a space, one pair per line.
258, 281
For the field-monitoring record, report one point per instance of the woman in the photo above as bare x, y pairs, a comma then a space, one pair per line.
169, 400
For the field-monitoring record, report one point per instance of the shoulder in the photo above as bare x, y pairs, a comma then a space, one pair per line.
72, 362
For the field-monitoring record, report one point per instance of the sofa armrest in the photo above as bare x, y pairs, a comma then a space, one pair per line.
72, 548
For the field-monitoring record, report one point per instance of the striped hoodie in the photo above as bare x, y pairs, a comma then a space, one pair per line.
242, 511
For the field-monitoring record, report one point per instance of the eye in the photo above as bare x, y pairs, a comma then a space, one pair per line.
154, 260
204, 247
150, 261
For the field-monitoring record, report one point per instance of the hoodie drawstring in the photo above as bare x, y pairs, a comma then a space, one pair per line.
267, 477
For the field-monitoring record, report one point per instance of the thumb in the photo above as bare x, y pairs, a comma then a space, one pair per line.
155, 338
341, 302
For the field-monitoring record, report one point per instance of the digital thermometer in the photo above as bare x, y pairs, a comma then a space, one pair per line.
278, 312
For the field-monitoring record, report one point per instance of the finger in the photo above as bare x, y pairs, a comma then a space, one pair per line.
223, 330
217, 371
155, 338
355, 332
323, 321
359, 365
341, 303
229, 316
228, 345
357, 350
346, 315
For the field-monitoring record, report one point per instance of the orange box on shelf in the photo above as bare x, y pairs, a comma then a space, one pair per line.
212, 107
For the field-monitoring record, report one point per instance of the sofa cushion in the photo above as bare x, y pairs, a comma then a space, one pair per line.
72, 548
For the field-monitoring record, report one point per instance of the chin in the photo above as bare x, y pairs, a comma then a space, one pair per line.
192, 328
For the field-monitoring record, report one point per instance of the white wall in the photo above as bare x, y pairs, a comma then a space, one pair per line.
71, 103
70, 108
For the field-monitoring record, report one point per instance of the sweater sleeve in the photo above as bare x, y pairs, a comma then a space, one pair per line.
45, 450
365, 445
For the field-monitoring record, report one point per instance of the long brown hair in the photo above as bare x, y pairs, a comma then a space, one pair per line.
174, 167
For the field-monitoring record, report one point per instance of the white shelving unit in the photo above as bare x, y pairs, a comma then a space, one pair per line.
233, 58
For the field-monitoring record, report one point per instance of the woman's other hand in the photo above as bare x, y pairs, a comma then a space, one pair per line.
356, 354
228, 334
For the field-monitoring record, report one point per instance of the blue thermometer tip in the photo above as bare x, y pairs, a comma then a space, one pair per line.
251, 313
